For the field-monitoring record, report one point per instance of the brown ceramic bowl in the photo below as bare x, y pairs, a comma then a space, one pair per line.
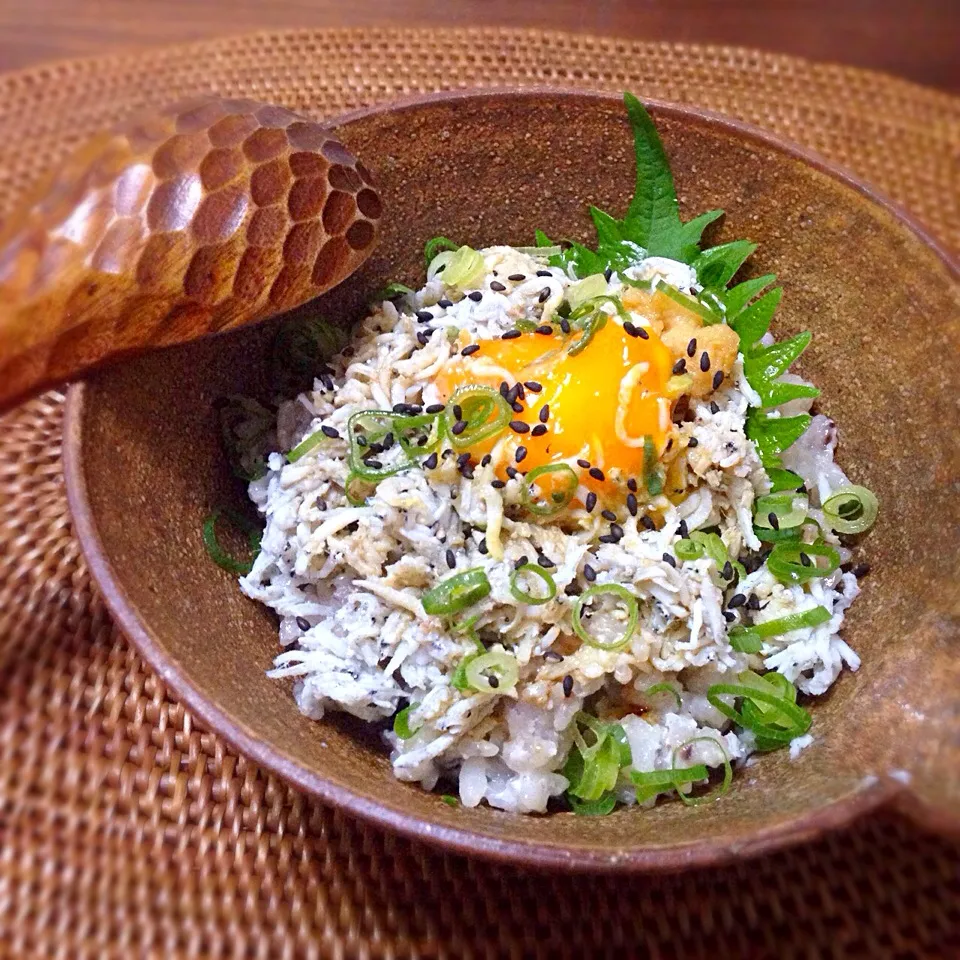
144, 468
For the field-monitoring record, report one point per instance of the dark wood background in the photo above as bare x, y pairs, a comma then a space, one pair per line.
915, 39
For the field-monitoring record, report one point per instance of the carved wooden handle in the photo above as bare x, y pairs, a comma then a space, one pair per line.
203, 217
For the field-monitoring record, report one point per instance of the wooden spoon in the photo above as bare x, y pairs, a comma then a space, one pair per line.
203, 217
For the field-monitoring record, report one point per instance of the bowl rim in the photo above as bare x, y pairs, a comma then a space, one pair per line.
805, 825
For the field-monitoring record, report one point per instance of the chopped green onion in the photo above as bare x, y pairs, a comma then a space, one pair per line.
652, 476
501, 666
758, 713
629, 602
716, 550
651, 782
373, 426
788, 509
851, 509
401, 723
538, 571
216, 552
586, 289
786, 565
434, 245
449, 800
390, 292
592, 808
750, 639
727, 773
663, 687
305, 446
484, 410
789, 720
456, 593
691, 303
462, 268
458, 680
593, 771
557, 499
590, 318
357, 489
619, 736
687, 549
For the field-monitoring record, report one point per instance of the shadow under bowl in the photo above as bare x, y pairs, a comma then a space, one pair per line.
144, 468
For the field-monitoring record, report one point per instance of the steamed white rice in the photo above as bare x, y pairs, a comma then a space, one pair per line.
346, 581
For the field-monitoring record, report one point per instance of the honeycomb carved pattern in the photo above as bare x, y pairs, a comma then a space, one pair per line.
199, 218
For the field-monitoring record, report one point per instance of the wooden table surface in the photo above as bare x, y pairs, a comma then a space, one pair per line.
916, 39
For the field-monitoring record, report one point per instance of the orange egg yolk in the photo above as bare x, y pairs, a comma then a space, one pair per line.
615, 374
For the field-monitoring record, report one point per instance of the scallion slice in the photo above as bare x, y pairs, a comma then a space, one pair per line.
538, 571
787, 722
357, 489
305, 446
788, 509
434, 245
687, 549
592, 808
750, 639
216, 552
401, 722
564, 486
727, 773
651, 782
484, 410
786, 565
652, 475
716, 549
390, 292
626, 598
851, 509
663, 687
586, 289
692, 304
456, 593
500, 666
463, 268
401, 433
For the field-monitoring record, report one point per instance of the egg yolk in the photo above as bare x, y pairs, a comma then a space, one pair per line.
597, 405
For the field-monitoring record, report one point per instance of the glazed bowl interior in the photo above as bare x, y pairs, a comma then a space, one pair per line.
145, 467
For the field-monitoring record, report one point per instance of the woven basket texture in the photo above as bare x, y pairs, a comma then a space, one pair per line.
128, 831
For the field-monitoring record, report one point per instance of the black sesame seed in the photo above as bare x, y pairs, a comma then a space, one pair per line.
545, 329
533, 386
568, 686
522, 562
714, 407
642, 334
544, 415
737, 600
373, 464
753, 602
513, 393
423, 338
493, 681
704, 361
539, 430
497, 484
632, 485
518, 426
680, 367
773, 521
544, 560
565, 325
482, 546
693, 442
647, 523
544, 273
616, 531
327, 381
424, 316
451, 559
589, 573
520, 454
805, 560
668, 559
608, 515
727, 571
470, 350
607, 274
462, 459
435, 408
607, 538
517, 407
551, 656
512, 472
330, 432
717, 379
630, 328
303, 623
457, 412
517, 277
585, 464
458, 427
683, 530
632, 504
521, 395
596, 473
497, 286
476, 296
486, 461
431, 462
504, 389
590, 502
728, 616
510, 335
445, 303
692, 347
861, 570
544, 295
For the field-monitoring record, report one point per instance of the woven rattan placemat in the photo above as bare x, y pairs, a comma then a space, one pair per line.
126, 831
